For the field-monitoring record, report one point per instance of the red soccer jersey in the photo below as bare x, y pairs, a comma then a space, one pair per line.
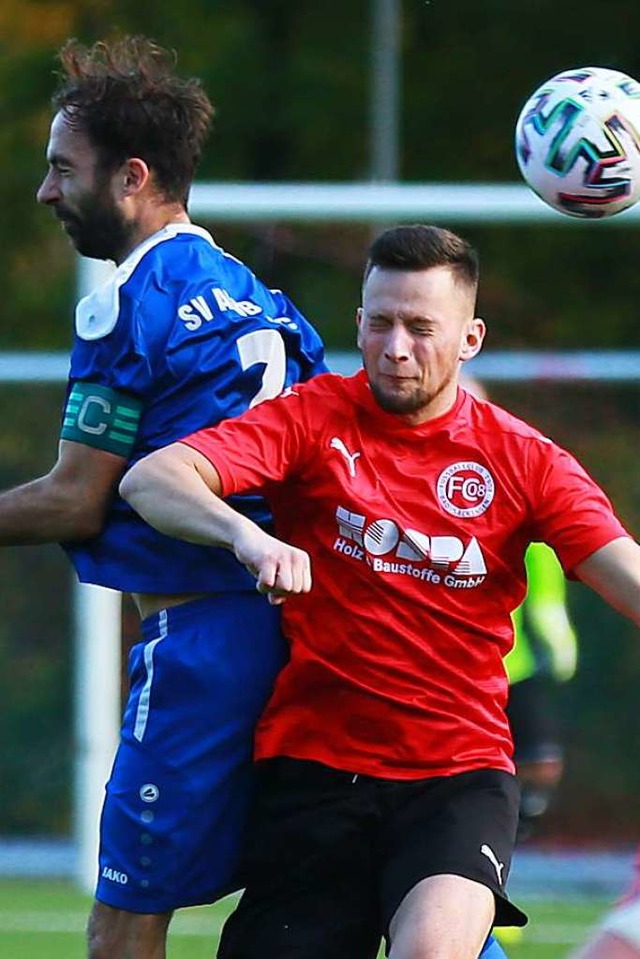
417, 537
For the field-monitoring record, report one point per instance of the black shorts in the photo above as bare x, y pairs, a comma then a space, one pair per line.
532, 720
331, 855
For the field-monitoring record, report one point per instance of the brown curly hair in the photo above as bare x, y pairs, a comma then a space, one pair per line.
126, 97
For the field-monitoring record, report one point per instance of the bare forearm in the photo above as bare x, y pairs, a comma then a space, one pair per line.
69, 503
173, 498
197, 516
40, 512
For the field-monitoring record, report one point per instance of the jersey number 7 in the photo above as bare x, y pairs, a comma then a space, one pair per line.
264, 346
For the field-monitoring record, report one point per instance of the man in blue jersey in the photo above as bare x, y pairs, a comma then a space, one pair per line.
182, 336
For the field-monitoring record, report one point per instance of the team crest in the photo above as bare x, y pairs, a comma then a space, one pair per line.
465, 489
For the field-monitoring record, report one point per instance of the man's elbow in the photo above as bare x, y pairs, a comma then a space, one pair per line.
133, 482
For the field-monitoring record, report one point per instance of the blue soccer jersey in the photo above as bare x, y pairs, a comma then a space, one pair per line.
182, 336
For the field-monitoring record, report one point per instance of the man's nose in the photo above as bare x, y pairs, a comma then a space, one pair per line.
398, 344
48, 191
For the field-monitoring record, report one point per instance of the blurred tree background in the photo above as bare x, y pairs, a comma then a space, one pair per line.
292, 88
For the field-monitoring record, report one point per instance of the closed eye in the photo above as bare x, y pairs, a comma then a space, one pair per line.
60, 164
62, 168
379, 323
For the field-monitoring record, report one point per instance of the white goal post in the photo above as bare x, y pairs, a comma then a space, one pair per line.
98, 611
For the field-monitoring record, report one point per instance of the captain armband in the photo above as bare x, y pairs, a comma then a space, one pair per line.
101, 417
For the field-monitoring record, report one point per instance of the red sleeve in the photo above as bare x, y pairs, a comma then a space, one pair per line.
259, 447
571, 512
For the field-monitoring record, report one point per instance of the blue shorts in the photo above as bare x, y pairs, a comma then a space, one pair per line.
176, 802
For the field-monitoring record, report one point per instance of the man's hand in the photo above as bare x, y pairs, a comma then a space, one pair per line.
280, 570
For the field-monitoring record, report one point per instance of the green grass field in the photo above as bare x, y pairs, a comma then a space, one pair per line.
48, 919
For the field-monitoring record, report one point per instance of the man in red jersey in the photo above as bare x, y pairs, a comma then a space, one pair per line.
388, 802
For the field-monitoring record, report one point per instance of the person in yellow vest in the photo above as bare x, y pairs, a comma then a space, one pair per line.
545, 647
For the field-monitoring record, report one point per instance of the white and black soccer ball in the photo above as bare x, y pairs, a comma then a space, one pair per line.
578, 142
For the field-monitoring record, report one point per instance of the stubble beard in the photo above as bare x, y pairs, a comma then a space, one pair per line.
400, 403
418, 400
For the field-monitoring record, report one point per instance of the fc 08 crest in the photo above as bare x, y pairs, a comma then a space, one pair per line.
465, 489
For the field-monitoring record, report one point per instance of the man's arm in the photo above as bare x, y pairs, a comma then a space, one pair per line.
177, 490
69, 503
614, 572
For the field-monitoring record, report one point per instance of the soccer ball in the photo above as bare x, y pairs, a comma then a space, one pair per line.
578, 142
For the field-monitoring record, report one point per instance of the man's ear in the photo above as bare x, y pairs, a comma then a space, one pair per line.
359, 315
473, 339
135, 176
